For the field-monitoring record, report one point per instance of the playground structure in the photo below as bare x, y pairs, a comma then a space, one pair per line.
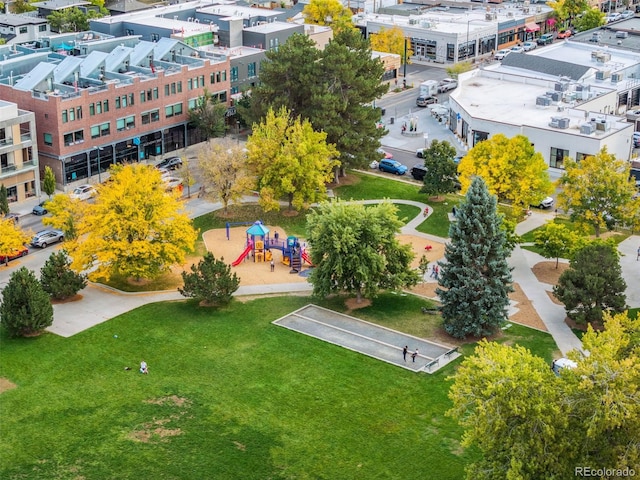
259, 244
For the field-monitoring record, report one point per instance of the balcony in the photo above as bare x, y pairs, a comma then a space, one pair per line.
12, 169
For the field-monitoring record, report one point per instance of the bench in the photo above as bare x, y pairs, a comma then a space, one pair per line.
451, 352
432, 363
430, 310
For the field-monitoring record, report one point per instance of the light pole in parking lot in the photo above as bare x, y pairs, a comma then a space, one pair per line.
426, 139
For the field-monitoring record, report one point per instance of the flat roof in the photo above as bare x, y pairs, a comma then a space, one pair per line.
17, 20
271, 27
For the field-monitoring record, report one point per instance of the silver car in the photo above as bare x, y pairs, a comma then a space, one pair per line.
47, 237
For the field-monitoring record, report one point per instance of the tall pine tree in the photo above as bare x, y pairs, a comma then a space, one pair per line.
475, 278
25, 308
57, 278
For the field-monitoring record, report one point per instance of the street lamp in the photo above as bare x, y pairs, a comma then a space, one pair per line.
99, 177
467, 42
426, 139
238, 131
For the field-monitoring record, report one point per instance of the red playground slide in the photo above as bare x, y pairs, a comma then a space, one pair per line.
306, 258
242, 256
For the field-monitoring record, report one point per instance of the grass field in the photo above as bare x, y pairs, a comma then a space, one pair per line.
228, 396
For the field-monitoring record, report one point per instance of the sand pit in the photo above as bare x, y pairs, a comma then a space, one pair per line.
252, 273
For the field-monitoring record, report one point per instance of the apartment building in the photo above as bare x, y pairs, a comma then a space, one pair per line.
15, 29
18, 152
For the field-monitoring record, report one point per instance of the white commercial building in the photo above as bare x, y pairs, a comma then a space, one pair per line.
569, 99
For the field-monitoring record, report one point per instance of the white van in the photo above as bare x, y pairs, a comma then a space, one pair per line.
561, 363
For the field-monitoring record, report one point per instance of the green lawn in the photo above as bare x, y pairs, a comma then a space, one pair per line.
228, 396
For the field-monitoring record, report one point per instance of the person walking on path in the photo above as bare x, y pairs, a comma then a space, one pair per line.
414, 355
437, 271
433, 272
638, 256
273, 265
404, 352
143, 367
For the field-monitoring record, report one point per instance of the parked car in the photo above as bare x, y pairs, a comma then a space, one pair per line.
172, 182
384, 154
391, 166
545, 39
39, 209
546, 202
420, 153
13, 216
447, 84
172, 163
424, 101
559, 364
517, 49
628, 14
373, 164
47, 237
595, 37
613, 17
418, 172
21, 252
500, 54
83, 192
565, 33
529, 46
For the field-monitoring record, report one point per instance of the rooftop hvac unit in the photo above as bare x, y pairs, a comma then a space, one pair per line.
603, 74
543, 101
561, 86
569, 97
559, 122
602, 126
616, 77
587, 128
413, 21
582, 88
555, 96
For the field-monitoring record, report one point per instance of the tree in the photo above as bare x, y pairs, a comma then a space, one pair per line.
511, 409
511, 168
25, 308
598, 191
211, 281
70, 20
135, 228
12, 237
440, 177
332, 88
391, 41
49, 181
592, 284
456, 69
555, 240
476, 278
4, 201
331, 13
423, 266
290, 160
209, 116
224, 172
187, 175
21, 6
355, 250
591, 18
66, 214
57, 278
568, 9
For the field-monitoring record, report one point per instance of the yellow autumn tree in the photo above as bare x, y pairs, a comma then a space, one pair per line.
331, 13
65, 212
224, 173
391, 41
12, 237
135, 228
290, 160
511, 168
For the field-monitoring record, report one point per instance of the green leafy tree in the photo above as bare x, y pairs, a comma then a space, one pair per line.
57, 278
21, 6
224, 173
592, 284
568, 9
211, 281
25, 308
355, 250
4, 201
49, 181
598, 191
591, 18
555, 240
441, 171
456, 69
511, 168
423, 266
331, 13
332, 88
511, 409
209, 116
290, 160
476, 278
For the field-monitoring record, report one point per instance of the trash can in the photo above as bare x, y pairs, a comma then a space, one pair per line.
392, 120
383, 111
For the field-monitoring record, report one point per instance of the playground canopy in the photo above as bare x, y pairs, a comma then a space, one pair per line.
258, 229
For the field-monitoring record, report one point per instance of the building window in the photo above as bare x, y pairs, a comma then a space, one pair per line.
42, 28
79, 113
251, 69
173, 88
155, 93
173, 110
556, 160
117, 103
234, 90
23, 30
143, 97
234, 74
65, 117
582, 156
224, 75
125, 123
48, 139
73, 138
92, 109
98, 108
105, 129
212, 78
95, 131
105, 106
189, 84
155, 37
201, 80
72, 115
180, 87
193, 103
166, 90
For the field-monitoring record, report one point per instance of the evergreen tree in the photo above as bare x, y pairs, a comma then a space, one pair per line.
25, 308
211, 281
476, 278
49, 181
58, 280
592, 284
441, 171
4, 201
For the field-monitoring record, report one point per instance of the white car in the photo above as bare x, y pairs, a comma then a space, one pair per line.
517, 49
172, 182
447, 84
529, 46
613, 17
83, 192
500, 54
547, 202
374, 164
628, 14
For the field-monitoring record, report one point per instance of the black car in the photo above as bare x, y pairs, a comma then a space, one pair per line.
418, 172
172, 163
